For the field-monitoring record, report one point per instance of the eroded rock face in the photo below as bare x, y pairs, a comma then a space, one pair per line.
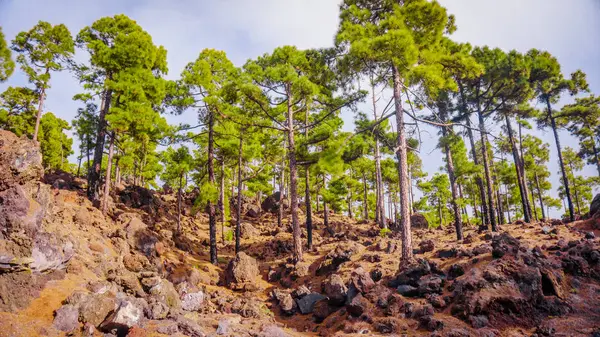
24, 203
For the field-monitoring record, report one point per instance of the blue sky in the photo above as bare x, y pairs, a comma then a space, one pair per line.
245, 29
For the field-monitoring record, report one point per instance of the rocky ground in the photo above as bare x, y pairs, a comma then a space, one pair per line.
66, 269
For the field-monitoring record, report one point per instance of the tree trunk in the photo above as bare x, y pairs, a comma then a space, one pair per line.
88, 163
534, 211
379, 209
281, 187
38, 117
411, 194
485, 214
365, 199
406, 235
94, 179
212, 219
519, 170
79, 165
575, 189
307, 201
179, 203
539, 190
107, 179
222, 200
507, 205
325, 208
297, 252
560, 160
486, 169
238, 210
452, 176
523, 173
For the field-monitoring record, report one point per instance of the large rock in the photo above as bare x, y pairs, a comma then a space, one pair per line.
139, 197
24, 202
307, 303
285, 301
335, 289
192, 301
418, 221
66, 318
271, 203
595, 205
126, 316
242, 272
94, 308
340, 254
248, 231
164, 291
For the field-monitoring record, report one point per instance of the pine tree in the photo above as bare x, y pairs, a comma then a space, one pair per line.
581, 186
177, 166
42, 50
583, 120
18, 111
205, 81
55, 145
549, 83
7, 65
86, 125
288, 82
116, 44
403, 37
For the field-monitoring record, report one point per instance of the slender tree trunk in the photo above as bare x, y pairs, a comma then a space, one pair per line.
117, 171
501, 218
507, 204
88, 164
350, 205
560, 160
325, 208
107, 179
406, 235
179, 203
79, 165
523, 173
297, 252
39, 112
281, 187
539, 190
212, 218
379, 209
238, 210
486, 169
452, 176
411, 194
575, 189
519, 170
534, 211
222, 200
94, 181
365, 199
307, 201
485, 214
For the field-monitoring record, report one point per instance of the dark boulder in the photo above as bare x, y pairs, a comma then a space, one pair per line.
271, 203
307, 303
418, 221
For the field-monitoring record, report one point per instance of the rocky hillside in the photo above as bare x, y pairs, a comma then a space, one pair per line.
66, 269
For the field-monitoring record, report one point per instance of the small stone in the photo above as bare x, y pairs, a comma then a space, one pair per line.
357, 306
335, 289
95, 309
307, 303
126, 316
408, 290
169, 329
590, 235
223, 327
66, 318
478, 321
192, 301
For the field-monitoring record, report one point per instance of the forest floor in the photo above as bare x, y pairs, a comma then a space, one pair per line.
131, 275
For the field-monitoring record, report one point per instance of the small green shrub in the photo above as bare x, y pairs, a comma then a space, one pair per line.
384, 232
229, 235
